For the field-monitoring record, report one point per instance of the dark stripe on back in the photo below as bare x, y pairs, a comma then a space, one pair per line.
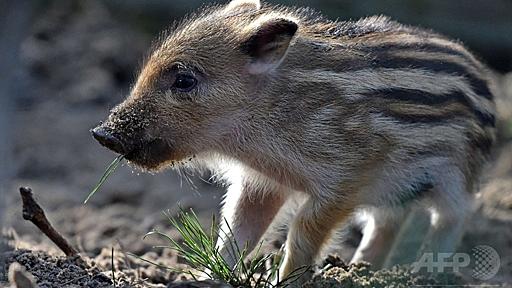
382, 59
436, 66
423, 118
425, 98
419, 46
417, 96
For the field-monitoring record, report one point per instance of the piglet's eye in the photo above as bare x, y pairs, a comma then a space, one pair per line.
185, 82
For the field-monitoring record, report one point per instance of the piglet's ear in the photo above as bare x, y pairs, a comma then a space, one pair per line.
243, 5
268, 43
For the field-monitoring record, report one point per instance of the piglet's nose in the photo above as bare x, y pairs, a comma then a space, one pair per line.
108, 140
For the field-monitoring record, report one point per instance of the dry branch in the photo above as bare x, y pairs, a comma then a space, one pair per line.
35, 214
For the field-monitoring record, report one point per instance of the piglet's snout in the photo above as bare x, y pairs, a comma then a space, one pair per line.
109, 140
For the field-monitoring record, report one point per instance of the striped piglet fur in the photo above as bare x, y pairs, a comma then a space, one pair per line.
367, 116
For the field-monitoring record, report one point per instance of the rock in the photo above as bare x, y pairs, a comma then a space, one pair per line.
19, 277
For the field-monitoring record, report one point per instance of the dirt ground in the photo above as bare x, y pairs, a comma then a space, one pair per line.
79, 67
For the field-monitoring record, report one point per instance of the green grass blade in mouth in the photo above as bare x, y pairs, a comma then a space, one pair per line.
110, 169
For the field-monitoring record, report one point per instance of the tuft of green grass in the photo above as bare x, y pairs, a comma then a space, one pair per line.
200, 251
110, 169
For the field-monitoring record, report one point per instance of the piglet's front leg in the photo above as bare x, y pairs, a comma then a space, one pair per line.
312, 227
248, 211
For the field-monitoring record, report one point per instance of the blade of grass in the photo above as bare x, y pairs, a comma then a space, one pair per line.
110, 169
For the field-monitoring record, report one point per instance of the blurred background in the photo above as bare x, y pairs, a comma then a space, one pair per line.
65, 63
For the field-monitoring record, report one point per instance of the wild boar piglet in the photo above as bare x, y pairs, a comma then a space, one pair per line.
368, 115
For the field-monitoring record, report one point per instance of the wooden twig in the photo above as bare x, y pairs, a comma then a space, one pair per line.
113, 269
35, 214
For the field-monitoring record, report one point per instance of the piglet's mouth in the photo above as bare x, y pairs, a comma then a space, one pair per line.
147, 154
151, 154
